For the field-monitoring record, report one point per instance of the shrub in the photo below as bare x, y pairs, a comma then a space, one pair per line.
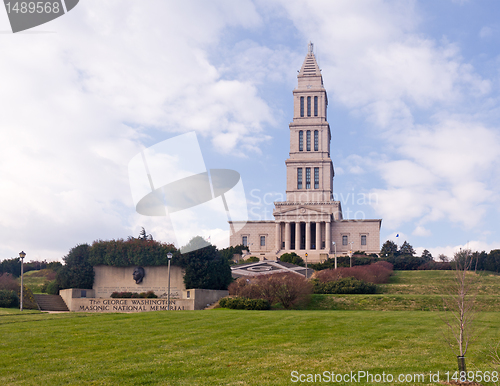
251, 259
8, 282
29, 302
52, 288
346, 285
435, 265
241, 303
374, 273
8, 299
344, 261
292, 258
285, 288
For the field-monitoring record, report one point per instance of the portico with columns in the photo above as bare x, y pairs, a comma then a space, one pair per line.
309, 221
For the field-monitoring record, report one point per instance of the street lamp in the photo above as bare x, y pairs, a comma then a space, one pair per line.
350, 257
335, 245
22, 255
169, 256
306, 265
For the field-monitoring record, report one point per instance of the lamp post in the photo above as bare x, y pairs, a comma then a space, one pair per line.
169, 256
22, 256
350, 257
335, 245
306, 265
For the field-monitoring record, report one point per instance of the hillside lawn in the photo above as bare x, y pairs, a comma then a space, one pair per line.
237, 347
36, 279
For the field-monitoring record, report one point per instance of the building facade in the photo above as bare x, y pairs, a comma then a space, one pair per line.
309, 221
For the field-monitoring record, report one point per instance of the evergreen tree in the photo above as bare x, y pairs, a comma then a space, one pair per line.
426, 255
205, 267
389, 249
406, 249
76, 271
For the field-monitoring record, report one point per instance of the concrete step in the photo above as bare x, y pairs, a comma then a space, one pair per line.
50, 303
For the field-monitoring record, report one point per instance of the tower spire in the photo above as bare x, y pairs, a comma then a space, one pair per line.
310, 47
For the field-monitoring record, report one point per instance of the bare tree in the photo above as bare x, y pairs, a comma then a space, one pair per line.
460, 305
495, 358
443, 258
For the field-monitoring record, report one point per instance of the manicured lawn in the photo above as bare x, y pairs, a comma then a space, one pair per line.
223, 347
34, 280
412, 291
393, 302
434, 282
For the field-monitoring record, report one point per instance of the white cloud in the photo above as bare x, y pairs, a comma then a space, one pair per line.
76, 105
387, 71
421, 231
486, 32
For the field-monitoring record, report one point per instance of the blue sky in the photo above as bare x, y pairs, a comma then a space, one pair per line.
413, 109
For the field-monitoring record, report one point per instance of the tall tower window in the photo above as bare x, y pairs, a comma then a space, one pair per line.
299, 178
315, 106
308, 178
262, 241
363, 239
316, 140
316, 178
301, 140
244, 240
344, 240
308, 140
301, 106
308, 106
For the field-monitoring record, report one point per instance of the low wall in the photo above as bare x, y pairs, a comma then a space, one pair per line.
203, 297
109, 279
193, 299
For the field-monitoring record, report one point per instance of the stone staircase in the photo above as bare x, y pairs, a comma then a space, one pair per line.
50, 303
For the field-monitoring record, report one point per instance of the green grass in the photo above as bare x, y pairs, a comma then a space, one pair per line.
411, 291
434, 282
33, 281
392, 302
226, 347
339, 333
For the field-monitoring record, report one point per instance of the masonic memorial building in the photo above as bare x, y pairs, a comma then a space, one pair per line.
309, 221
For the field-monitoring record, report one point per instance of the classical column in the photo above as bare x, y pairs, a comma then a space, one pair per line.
278, 236
297, 236
308, 235
328, 236
318, 236
287, 236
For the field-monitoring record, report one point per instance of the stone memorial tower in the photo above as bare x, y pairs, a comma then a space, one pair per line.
310, 220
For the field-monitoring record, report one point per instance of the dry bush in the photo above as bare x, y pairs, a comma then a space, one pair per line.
285, 288
376, 273
8, 282
290, 288
245, 288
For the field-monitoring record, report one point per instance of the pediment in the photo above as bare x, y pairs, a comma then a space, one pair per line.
301, 210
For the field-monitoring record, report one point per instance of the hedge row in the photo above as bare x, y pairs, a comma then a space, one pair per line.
240, 303
8, 299
346, 285
125, 253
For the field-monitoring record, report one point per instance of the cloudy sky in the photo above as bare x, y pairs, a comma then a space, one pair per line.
413, 91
